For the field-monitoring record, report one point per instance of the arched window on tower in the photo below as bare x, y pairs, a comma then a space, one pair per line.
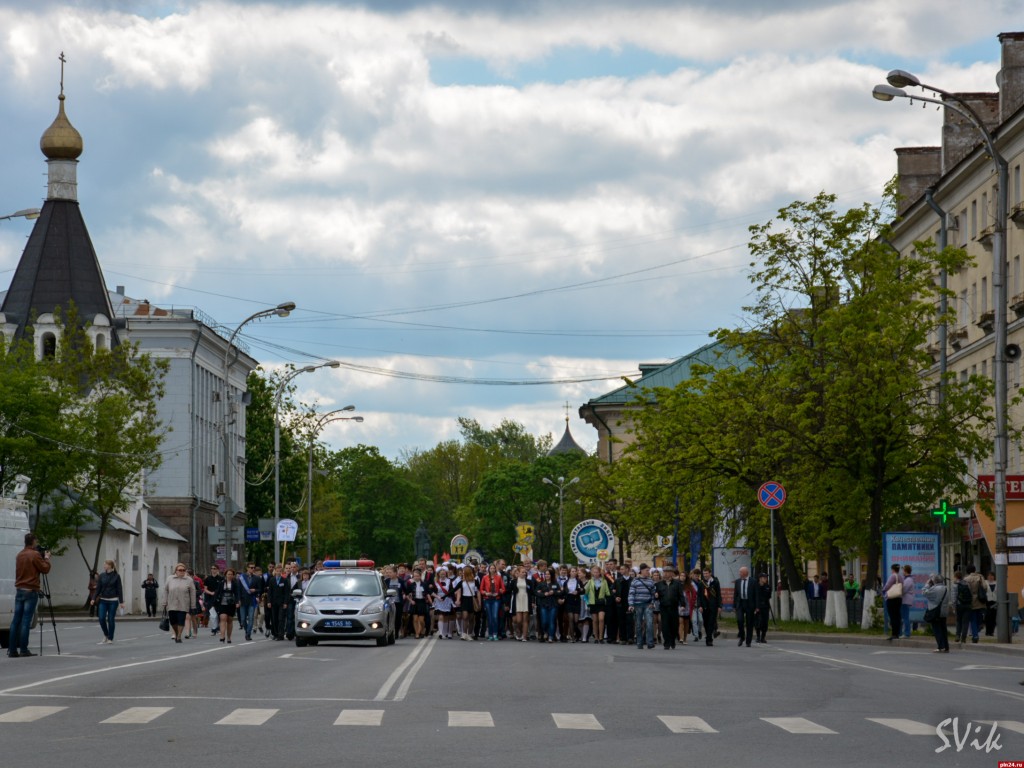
101, 341
49, 346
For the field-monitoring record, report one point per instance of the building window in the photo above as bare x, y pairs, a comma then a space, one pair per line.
49, 346
964, 311
974, 302
974, 219
963, 228
101, 341
984, 295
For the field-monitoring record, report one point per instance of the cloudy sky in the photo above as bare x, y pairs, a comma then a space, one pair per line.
508, 205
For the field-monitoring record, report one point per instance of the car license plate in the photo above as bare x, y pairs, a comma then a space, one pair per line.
338, 623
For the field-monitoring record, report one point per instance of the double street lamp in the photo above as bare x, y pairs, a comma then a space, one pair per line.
561, 484
897, 81
281, 310
277, 440
322, 422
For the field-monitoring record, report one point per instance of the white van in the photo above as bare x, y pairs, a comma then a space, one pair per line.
13, 527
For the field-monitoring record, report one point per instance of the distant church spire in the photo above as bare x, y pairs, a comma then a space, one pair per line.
567, 444
62, 145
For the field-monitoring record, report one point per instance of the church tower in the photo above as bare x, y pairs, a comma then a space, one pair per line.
59, 264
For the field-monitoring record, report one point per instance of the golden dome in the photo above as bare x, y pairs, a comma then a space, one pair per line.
61, 141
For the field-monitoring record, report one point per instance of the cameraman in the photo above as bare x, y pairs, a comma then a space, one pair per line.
30, 563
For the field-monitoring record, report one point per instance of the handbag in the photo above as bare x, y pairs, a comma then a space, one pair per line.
931, 614
896, 590
165, 623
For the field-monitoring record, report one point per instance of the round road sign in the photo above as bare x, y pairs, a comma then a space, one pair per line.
771, 495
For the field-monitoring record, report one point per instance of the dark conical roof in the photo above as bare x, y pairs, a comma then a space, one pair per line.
566, 444
58, 266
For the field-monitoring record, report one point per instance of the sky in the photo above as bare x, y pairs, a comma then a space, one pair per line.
481, 208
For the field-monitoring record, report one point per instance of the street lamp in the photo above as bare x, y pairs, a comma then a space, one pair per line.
25, 213
322, 422
277, 440
281, 310
561, 485
898, 79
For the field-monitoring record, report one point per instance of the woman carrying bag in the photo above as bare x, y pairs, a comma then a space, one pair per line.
893, 593
936, 593
179, 597
226, 600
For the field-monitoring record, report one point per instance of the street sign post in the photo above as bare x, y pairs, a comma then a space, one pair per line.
772, 495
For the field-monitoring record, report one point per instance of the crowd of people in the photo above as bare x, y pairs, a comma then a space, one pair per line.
613, 603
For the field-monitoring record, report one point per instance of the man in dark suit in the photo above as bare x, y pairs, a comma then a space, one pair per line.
744, 600
762, 606
711, 604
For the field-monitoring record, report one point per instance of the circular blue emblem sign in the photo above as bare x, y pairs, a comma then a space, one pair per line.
592, 541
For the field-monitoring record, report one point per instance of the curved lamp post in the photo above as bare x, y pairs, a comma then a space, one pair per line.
322, 422
25, 213
277, 440
561, 484
281, 310
899, 79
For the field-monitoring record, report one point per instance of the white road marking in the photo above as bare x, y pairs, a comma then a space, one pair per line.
909, 727
1009, 725
28, 714
385, 689
577, 722
984, 666
247, 717
286, 655
116, 668
403, 689
360, 717
797, 725
897, 673
470, 719
679, 724
136, 715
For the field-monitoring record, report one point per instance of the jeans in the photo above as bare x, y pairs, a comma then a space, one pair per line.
492, 605
24, 609
107, 611
547, 621
977, 621
905, 618
245, 617
643, 619
697, 622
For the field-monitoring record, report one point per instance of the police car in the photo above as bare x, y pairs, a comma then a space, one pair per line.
345, 601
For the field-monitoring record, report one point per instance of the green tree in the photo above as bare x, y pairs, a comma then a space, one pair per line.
111, 430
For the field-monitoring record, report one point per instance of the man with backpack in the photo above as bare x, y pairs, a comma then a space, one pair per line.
979, 600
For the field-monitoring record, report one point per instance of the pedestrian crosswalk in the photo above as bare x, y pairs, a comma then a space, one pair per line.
580, 721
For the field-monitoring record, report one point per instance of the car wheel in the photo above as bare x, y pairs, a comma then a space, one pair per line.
313, 642
300, 642
391, 636
382, 641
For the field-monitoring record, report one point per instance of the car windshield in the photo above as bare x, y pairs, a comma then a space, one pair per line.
355, 584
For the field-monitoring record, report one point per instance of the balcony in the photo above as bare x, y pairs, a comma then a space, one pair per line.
1017, 304
985, 237
958, 337
1017, 214
987, 321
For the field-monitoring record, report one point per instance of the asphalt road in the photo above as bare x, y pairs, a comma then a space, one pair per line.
147, 701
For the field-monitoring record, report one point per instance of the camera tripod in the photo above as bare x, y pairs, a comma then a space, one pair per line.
45, 591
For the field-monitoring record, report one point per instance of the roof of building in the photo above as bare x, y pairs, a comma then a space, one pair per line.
58, 266
157, 528
567, 444
670, 374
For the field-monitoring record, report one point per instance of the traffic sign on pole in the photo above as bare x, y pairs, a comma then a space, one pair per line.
771, 495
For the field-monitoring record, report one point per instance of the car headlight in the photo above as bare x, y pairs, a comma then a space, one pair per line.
375, 607
307, 608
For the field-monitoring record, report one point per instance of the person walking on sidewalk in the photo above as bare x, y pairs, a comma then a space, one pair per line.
179, 599
109, 598
149, 588
640, 602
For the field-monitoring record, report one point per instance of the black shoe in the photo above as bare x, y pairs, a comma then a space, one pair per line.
717, 633
15, 654
748, 645
26, 653
740, 642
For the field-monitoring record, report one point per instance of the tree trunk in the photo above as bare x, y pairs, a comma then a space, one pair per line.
792, 577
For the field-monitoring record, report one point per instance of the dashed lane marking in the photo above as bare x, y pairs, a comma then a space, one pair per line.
137, 715
247, 717
797, 725
679, 724
577, 722
909, 727
458, 719
28, 714
360, 717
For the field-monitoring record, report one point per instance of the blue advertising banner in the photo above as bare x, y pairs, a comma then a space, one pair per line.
918, 550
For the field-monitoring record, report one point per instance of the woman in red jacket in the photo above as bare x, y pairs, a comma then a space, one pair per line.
492, 587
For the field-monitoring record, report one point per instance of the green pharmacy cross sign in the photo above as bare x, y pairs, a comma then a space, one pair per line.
944, 512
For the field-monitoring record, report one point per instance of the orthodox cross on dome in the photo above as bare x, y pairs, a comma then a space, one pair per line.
63, 61
566, 411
